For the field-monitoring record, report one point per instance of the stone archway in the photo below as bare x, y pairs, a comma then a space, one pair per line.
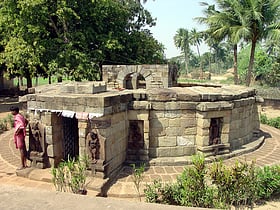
134, 81
134, 78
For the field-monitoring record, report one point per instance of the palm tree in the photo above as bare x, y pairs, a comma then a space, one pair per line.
181, 40
196, 38
225, 24
262, 21
250, 20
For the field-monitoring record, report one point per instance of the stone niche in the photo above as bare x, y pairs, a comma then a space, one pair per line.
153, 125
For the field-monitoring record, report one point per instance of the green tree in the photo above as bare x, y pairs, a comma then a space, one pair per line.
74, 38
224, 23
182, 41
261, 22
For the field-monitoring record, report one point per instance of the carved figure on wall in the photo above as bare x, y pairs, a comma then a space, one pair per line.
36, 143
93, 146
214, 132
135, 138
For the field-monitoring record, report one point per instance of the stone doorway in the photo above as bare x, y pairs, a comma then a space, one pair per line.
135, 146
134, 81
128, 82
70, 138
215, 131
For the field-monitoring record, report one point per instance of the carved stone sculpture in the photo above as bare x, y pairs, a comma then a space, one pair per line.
214, 132
93, 146
36, 145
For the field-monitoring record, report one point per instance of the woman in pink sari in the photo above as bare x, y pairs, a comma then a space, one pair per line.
19, 135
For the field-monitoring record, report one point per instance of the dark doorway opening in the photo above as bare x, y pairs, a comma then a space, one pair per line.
70, 138
215, 131
135, 141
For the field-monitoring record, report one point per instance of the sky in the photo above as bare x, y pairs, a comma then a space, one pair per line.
172, 15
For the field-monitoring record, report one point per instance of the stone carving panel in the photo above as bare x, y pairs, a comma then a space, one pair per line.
36, 139
93, 146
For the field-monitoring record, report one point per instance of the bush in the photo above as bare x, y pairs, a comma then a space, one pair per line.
274, 122
268, 181
220, 187
6, 123
70, 176
236, 185
189, 190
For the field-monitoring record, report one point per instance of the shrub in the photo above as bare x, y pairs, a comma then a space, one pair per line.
190, 188
192, 185
268, 181
236, 185
138, 176
240, 185
70, 176
274, 122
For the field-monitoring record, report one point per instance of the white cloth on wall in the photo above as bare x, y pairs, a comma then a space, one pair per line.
69, 114
93, 115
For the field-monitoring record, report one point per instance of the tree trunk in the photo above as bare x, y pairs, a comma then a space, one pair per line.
50, 80
235, 64
21, 81
210, 66
187, 63
36, 81
251, 63
29, 81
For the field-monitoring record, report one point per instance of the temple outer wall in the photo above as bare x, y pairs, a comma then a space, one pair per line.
176, 122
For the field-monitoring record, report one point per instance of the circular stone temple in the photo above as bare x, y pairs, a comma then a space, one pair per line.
138, 113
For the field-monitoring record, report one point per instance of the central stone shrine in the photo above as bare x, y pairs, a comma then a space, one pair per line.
123, 124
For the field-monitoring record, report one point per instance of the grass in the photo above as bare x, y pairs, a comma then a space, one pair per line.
41, 81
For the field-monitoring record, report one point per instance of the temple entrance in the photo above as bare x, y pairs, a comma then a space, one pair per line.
141, 83
128, 81
215, 131
135, 144
70, 138
134, 81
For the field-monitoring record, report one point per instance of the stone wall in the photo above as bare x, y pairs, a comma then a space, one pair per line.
155, 76
174, 122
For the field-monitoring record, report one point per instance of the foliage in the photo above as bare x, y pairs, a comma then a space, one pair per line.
236, 185
193, 190
274, 122
138, 176
182, 41
70, 175
74, 38
7, 122
221, 186
249, 21
189, 190
268, 181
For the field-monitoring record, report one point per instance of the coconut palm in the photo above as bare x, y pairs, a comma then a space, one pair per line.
181, 40
262, 21
196, 38
250, 20
225, 24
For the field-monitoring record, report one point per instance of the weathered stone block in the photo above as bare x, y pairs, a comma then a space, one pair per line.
166, 141
202, 140
185, 140
190, 131
174, 122
173, 105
